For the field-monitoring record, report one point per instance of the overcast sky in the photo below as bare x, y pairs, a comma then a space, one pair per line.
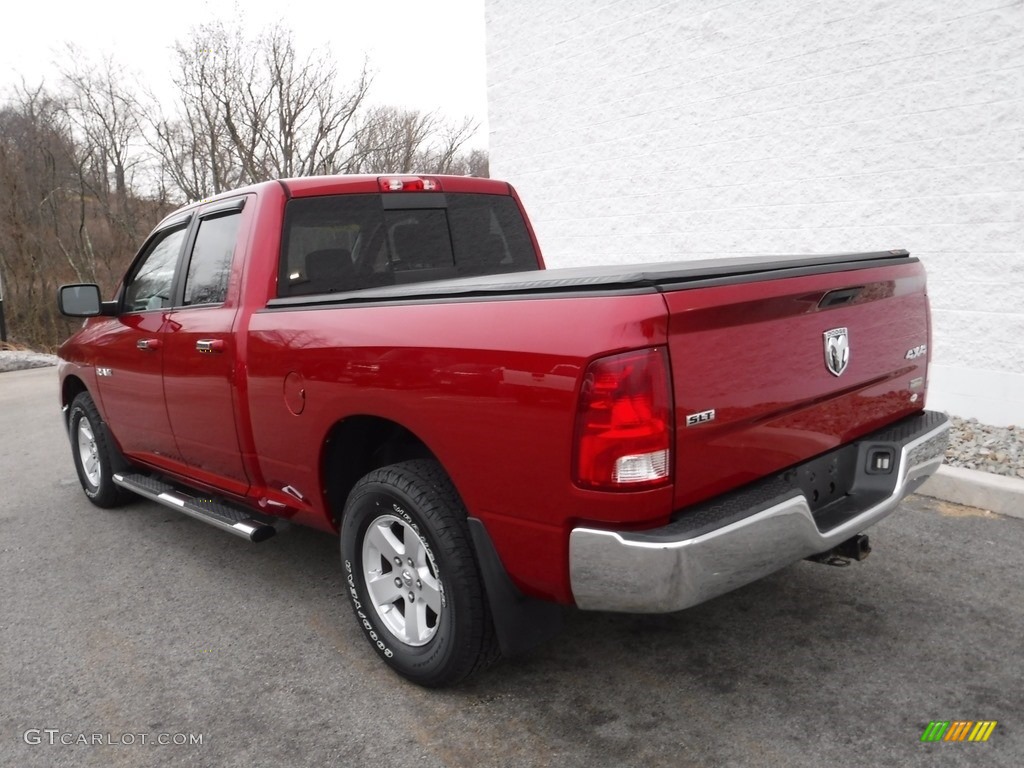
427, 55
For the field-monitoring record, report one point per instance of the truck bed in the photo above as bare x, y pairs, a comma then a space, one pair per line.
628, 278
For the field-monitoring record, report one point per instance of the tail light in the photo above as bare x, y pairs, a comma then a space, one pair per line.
624, 423
408, 184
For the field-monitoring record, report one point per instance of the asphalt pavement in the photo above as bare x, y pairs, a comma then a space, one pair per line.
140, 624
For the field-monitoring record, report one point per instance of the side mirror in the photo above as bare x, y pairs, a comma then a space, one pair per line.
80, 300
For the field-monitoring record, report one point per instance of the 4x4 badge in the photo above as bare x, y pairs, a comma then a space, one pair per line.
837, 351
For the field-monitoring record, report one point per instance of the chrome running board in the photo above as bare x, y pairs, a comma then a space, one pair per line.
215, 512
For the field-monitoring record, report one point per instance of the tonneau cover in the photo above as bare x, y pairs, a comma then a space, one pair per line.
621, 277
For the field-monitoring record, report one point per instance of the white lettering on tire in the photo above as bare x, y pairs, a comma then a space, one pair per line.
357, 603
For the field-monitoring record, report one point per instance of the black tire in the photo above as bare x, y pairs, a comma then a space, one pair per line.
97, 459
414, 505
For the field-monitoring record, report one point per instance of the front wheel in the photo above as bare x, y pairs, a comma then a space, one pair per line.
94, 454
412, 575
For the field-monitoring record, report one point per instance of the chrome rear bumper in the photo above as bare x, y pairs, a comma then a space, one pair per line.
677, 566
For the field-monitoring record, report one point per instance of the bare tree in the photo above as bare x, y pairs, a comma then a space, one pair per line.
443, 154
390, 139
57, 222
37, 175
315, 118
194, 145
106, 117
185, 158
478, 163
251, 109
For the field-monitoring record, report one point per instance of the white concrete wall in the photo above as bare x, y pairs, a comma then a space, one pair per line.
640, 130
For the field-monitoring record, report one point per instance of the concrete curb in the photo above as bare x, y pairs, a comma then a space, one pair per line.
984, 490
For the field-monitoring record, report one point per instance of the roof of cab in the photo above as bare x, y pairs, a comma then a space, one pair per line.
313, 186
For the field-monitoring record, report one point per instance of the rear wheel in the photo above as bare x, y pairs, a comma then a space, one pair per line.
412, 574
94, 454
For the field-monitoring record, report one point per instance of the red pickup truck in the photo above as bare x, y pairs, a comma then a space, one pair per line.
387, 359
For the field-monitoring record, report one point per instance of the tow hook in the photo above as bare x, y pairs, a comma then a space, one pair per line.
854, 548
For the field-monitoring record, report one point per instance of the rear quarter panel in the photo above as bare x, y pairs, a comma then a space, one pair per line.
489, 386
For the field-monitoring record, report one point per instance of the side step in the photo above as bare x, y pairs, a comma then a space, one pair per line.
215, 512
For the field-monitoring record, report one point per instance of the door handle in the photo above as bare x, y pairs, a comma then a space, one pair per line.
210, 345
148, 344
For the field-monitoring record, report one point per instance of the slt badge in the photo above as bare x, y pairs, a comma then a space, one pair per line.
837, 350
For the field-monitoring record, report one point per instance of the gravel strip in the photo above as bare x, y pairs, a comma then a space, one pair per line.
999, 450
972, 445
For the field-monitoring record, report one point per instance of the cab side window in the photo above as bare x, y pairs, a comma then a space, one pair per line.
150, 285
210, 265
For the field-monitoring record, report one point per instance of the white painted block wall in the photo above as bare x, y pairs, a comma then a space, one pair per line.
641, 130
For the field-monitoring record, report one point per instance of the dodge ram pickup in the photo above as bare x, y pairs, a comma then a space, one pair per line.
386, 358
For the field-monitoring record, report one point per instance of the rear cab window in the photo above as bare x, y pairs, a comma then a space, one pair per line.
350, 242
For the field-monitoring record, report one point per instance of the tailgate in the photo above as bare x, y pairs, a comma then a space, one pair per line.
756, 354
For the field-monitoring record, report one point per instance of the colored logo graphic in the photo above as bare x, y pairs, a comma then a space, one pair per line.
959, 730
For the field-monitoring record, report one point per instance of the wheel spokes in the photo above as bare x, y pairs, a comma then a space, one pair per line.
385, 542
401, 581
383, 590
430, 596
428, 585
88, 453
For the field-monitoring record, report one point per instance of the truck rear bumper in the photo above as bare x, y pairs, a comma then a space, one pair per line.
730, 541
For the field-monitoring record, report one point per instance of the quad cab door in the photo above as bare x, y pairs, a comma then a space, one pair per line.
201, 367
130, 377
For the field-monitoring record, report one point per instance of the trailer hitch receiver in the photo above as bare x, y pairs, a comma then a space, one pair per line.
855, 548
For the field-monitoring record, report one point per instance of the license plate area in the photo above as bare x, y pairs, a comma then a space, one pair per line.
828, 478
